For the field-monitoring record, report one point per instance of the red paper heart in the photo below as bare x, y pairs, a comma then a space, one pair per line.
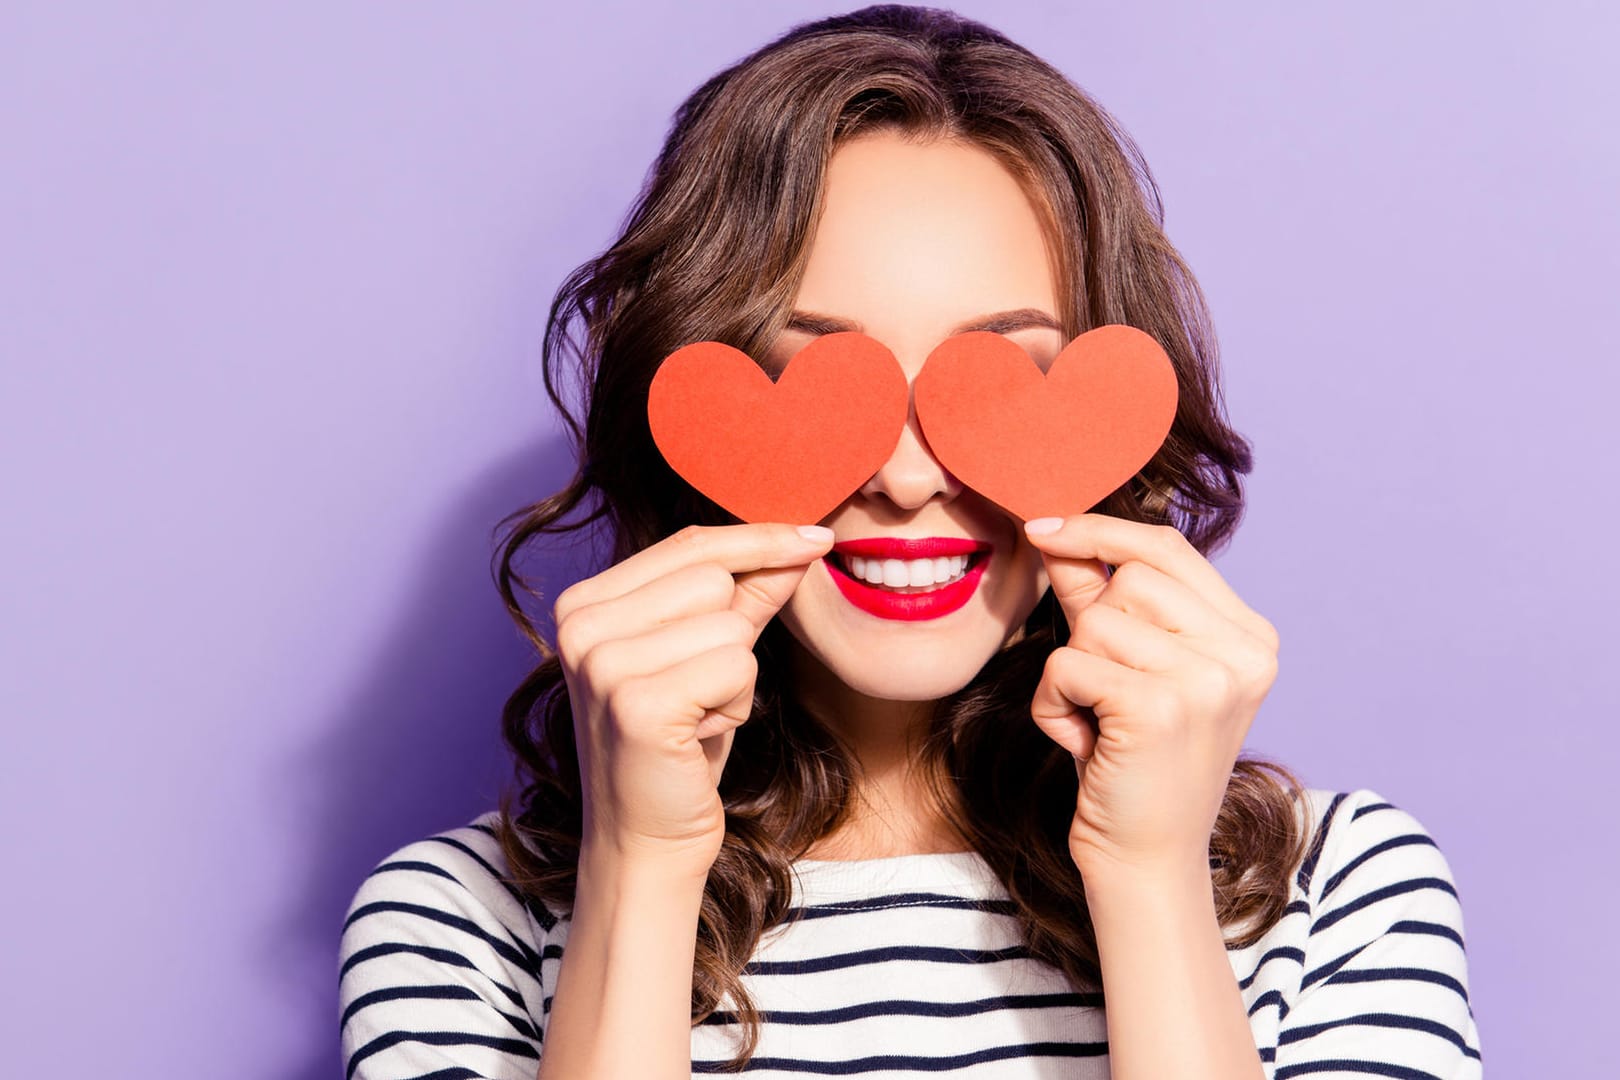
1051, 445
791, 450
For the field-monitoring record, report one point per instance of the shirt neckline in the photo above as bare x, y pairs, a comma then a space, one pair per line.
886, 858
957, 873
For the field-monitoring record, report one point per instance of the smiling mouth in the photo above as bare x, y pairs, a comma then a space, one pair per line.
899, 575
908, 580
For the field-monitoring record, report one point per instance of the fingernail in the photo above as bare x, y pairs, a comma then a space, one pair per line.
818, 533
1042, 526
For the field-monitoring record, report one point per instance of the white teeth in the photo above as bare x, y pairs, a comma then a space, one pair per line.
907, 573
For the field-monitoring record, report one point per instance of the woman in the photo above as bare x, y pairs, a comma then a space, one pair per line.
765, 821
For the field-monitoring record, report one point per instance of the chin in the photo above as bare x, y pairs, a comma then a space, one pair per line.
919, 661
904, 672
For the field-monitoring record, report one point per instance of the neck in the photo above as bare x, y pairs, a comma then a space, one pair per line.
893, 812
883, 734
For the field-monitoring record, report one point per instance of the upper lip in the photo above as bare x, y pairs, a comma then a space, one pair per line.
894, 547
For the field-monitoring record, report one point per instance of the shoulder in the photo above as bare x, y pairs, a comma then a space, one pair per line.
1366, 850
1383, 973
440, 963
457, 873
447, 892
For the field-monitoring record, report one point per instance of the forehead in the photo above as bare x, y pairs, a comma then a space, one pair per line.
915, 237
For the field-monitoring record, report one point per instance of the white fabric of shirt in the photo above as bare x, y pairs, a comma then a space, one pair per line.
912, 966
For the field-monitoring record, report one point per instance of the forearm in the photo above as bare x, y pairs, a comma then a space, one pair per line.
623, 1003
1170, 996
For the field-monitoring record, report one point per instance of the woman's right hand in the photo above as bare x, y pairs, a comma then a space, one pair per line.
657, 654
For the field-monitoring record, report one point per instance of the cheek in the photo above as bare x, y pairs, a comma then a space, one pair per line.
807, 609
789, 617
1028, 566
1038, 567
789, 611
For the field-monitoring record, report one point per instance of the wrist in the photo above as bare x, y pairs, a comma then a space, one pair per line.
609, 866
1112, 885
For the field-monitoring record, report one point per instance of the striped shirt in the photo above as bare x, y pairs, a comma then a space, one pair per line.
446, 972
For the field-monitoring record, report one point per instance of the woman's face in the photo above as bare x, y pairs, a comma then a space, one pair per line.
919, 241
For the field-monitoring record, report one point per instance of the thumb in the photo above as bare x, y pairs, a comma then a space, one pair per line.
1075, 582
761, 593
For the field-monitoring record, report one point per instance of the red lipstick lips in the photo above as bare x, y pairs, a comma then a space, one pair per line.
893, 547
928, 604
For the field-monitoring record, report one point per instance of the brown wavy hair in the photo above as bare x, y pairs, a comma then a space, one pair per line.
713, 249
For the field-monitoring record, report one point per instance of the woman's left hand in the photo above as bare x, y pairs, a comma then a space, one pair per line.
1173, 664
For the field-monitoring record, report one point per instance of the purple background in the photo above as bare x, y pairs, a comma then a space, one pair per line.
274, 282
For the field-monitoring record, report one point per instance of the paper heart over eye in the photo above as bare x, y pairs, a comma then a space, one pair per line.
1047, 445
791, 450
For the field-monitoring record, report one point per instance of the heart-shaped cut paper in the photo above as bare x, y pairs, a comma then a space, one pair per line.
791, 450
1047, 445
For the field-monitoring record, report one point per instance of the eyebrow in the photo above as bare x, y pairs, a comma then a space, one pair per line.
1001, 322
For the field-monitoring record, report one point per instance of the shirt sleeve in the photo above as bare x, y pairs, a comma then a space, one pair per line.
1384, 989
438, 972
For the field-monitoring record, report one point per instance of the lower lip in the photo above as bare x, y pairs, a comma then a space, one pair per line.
909, 607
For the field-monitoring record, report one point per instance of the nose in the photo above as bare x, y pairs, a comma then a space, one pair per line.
912, 475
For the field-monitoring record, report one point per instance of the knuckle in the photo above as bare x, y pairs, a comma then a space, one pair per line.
753, 590
1058, 661
1263, 668
741, 660
737, 626
1127, 575
1213, 681
1162, 707
596, 667
1268, 633
708, 582
572, 642
626, 699
689, 536
1088, 623
1170, 538
564, 605
729, 669
715, 581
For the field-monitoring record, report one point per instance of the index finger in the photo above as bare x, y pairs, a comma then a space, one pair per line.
1163, 547
738, 548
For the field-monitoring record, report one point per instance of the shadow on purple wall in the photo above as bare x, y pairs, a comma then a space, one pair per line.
417, 746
